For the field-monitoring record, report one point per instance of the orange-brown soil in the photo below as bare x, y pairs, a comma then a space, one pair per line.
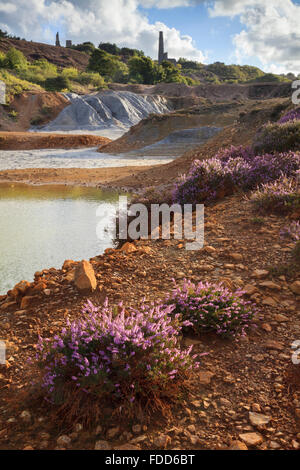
33, 140
73, 176
250, 375
31, 108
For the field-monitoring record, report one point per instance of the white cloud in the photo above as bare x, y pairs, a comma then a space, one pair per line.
272, 31
118, 21
161, 4
7, 7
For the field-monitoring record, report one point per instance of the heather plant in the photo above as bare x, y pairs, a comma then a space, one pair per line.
212, 307
237, 168
292, 115
275, 137
282, 196
296, 252
112, 354
292, 231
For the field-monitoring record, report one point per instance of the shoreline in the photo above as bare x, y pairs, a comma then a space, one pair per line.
85, 177
27, 140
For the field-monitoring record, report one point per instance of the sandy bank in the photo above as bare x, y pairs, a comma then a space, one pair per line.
33, 140
72, 176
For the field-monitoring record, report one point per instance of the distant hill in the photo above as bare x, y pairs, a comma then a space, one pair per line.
59, 56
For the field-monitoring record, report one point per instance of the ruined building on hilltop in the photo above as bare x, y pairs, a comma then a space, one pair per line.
57, 42
162, 55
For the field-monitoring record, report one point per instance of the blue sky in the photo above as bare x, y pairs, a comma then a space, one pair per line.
211, 35
264, 33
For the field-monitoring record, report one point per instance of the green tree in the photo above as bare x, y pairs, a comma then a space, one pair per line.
172, 73
143, 68
15, 59
110, 48
59, 83
87, 47
108, 65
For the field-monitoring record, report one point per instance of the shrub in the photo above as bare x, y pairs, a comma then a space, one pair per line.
296, 252
212, 307
116, 355
293, 115
90, 78
70, 72
283, 196
14, 85
292, 231
233, 169
278, 137
59, 83
2, 59
15, 59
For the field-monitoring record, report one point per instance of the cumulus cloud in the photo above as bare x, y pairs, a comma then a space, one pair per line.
271, 34
118, 21
161, 4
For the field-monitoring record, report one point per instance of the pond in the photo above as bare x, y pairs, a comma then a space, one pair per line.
41, 226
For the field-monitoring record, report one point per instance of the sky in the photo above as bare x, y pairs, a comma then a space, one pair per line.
263, 33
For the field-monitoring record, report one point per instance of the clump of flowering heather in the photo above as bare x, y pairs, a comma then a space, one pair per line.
283, 196
234, 169
278, 137
212, 307
292, 231
292, 115
121, 356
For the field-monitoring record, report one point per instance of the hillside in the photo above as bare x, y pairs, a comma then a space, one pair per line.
59, 56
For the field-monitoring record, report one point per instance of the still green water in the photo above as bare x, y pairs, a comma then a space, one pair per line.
41, 226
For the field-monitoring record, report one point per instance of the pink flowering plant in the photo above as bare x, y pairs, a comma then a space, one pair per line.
116, 354
292, 231
237, 168
212, 307
276, 137
292, 115
281, 196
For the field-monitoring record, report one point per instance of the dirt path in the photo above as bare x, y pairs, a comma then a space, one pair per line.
235, 377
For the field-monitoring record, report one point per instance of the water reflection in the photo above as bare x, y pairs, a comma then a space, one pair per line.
41, 226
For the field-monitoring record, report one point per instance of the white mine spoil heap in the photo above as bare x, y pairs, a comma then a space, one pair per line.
106, 110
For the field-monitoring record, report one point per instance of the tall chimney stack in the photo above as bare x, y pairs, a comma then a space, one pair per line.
161, 50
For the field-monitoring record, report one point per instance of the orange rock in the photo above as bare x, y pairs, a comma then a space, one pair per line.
109, 251
69, 263
20, 289
25, 302
8, 305
128, 248
146, 249
205, 377
238, 445
37, 288
84, 277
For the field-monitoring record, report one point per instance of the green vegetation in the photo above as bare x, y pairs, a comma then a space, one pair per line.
109, 66
5, 35
87, 47
278, 137
20, 75
14, 85
110, 63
